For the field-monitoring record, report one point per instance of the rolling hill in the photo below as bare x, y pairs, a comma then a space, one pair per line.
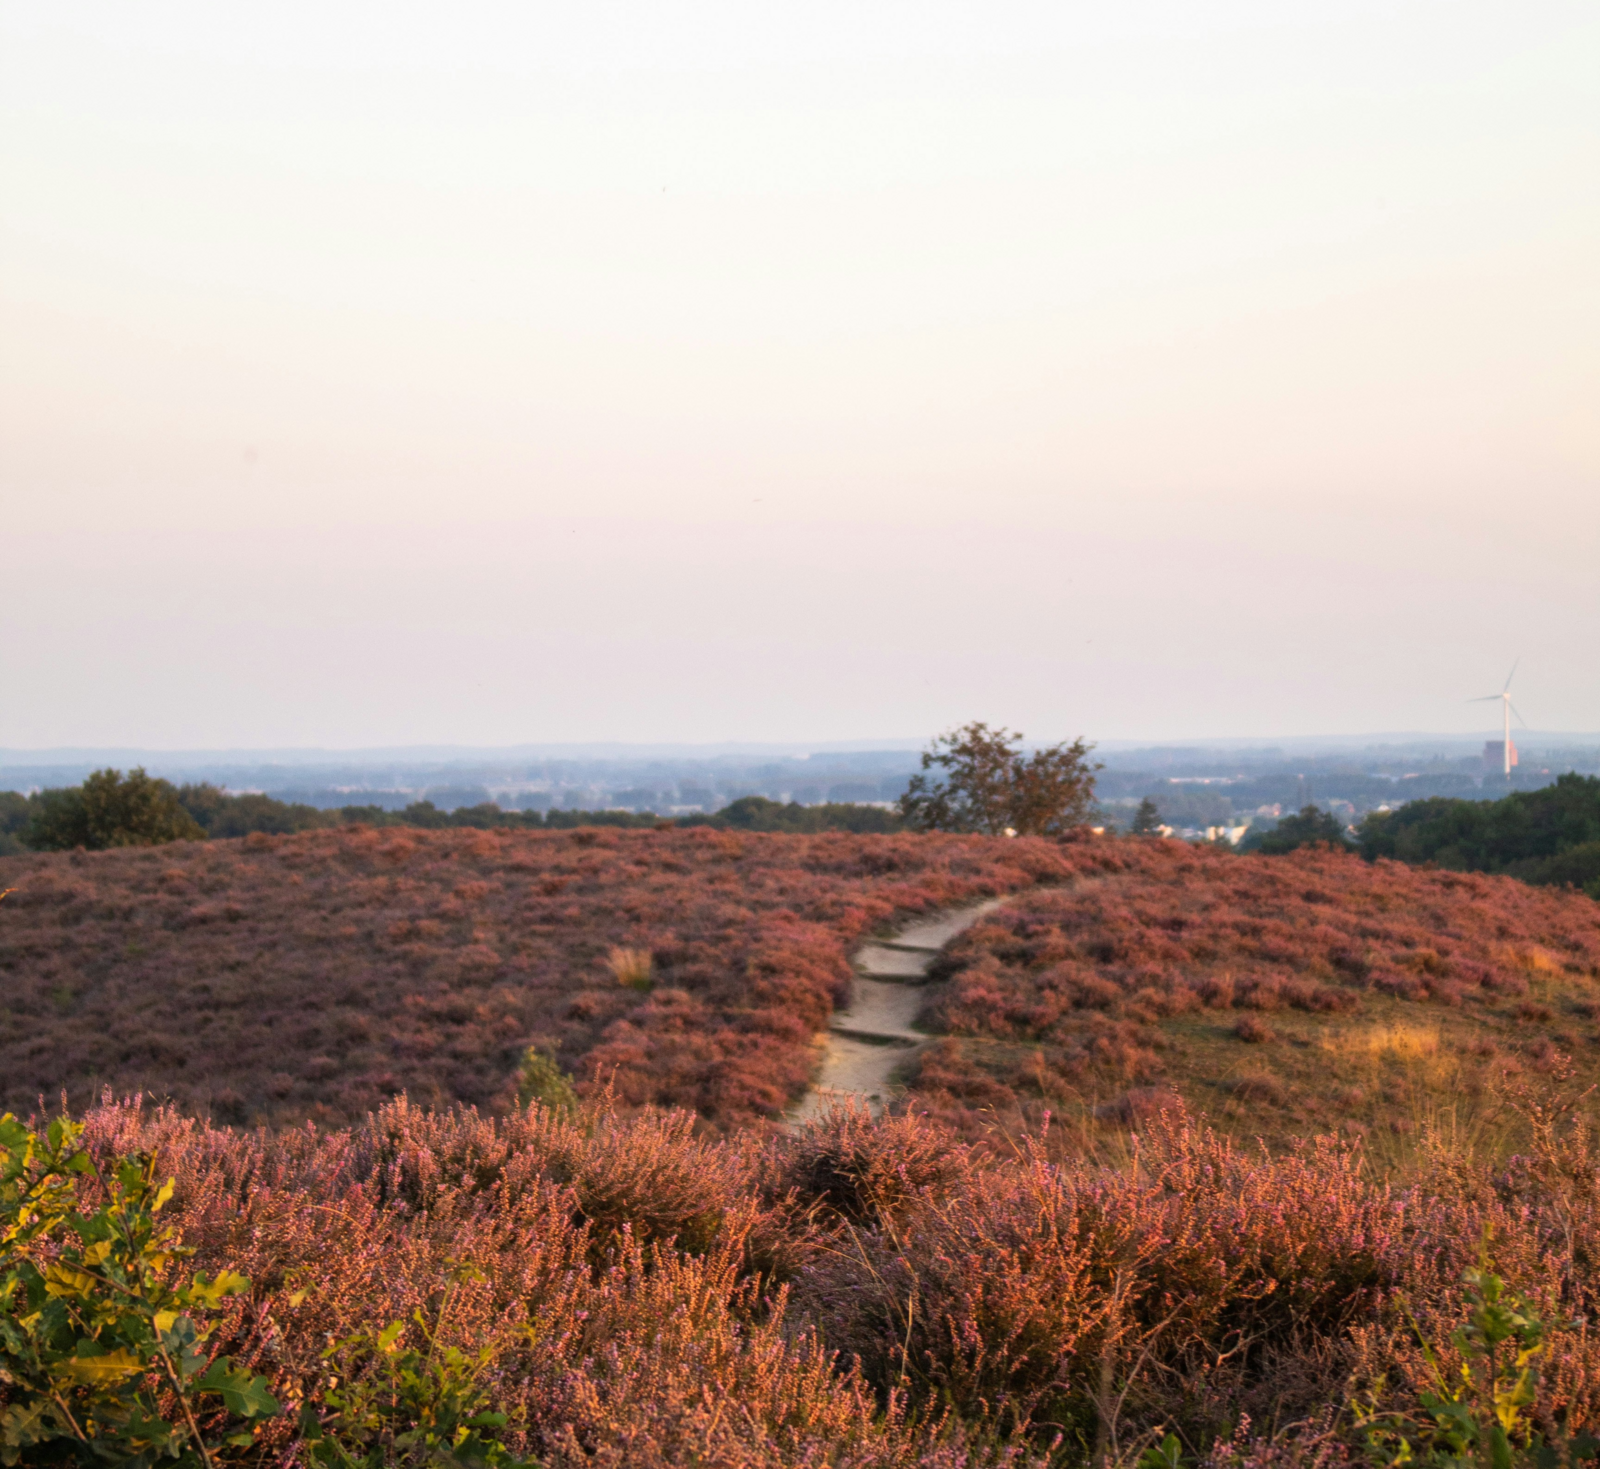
1281, 996
313, 975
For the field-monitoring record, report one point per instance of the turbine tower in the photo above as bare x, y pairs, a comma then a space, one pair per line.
1507, 708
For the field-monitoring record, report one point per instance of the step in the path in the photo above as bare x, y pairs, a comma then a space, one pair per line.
879, 961
886, 1011
934, 932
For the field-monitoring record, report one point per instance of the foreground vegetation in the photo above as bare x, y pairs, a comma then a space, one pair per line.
435, 1288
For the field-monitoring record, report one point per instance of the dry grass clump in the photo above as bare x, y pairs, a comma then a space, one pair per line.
1256, 1086
314, 976
1400, 1039
1531, 958
632, 968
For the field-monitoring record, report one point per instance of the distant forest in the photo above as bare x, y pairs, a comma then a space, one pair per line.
1548, 836
52, 820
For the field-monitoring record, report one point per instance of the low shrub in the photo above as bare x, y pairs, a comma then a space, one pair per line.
541, 1080
613, 1290
868, 1171
101, 1355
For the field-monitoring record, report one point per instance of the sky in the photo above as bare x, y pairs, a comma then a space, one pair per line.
496, 374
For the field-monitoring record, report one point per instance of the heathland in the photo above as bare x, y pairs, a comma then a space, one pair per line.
437, 1289
312, 976
1282, 996
1049, 1256
277, 979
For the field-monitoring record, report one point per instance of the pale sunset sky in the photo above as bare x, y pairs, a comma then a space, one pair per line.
492, 373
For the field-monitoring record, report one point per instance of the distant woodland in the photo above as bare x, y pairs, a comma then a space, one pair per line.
111, 810
1548, 836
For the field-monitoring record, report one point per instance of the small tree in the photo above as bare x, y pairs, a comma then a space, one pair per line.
15, 813
1482, 1409
1147, 819
988, 785
541, 1079
111, 810
1310, 828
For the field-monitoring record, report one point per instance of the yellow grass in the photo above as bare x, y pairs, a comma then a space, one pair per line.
1533, 959
631, 967
1399, 1039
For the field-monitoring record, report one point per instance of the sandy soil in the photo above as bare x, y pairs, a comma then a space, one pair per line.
935, 932
868, 1042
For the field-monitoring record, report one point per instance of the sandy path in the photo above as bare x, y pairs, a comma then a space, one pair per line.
868, 1042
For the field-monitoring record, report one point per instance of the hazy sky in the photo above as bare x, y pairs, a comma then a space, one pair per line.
376, 374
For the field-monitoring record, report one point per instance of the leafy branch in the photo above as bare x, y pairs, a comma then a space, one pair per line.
100, 1352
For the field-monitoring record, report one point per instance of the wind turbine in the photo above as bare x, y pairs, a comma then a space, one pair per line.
1507, 709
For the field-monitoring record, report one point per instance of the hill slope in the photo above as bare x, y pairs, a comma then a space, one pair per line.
278, 978
1280, 995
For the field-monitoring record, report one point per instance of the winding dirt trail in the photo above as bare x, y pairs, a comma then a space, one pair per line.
867, 1043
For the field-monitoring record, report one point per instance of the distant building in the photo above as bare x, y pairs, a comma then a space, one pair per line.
1233, 835
1494, 755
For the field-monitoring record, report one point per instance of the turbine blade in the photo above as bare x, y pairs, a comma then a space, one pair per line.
1512, 674
1484, 699
1518, 713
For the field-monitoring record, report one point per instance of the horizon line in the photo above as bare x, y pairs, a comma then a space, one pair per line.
642, 749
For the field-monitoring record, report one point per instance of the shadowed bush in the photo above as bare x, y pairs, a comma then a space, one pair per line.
866, 1171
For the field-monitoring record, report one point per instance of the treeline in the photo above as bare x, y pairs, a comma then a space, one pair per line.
1548, 836
111, 809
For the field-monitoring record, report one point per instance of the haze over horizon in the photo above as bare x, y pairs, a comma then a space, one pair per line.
639, 750
684, 374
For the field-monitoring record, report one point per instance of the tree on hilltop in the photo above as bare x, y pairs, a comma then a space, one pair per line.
1147, 819
986, 784
1309, 828
111, 810
16, 810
